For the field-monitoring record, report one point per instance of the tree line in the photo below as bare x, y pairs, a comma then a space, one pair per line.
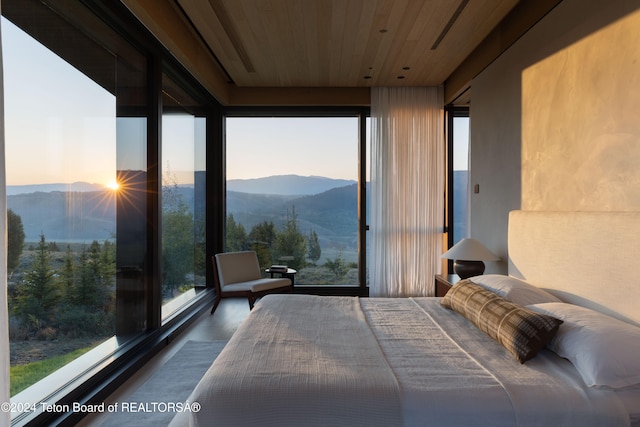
47, 302
50, 297
273, 245
287, 246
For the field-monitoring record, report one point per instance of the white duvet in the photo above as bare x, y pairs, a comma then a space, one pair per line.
334, 361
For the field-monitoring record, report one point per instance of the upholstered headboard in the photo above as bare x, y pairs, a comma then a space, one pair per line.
585, 258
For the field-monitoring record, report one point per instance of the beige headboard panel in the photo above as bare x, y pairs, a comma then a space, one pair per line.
585, 258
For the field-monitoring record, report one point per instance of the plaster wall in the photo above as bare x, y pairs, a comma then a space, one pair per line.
554, 121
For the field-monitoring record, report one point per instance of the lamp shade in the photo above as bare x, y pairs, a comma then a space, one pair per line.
468, 255
470, 250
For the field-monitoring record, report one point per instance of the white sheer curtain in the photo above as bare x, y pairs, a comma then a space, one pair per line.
407, 190
5, 416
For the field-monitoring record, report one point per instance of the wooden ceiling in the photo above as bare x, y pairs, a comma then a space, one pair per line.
342, 43
271, 51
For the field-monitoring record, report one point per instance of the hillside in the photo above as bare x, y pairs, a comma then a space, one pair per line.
333, 214
66, 216
84, 216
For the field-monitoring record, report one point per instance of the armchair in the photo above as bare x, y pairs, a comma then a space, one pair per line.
238, 275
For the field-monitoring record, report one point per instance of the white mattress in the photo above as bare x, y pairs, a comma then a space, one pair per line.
304, 360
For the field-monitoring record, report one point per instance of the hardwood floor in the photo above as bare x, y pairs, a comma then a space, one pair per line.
219, 326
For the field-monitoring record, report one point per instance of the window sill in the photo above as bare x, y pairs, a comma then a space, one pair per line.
94, 375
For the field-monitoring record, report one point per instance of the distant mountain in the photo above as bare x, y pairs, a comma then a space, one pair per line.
66, 216
47, 188
286, 185
332, 214
84, 216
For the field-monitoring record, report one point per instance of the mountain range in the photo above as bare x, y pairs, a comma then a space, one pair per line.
12, 190
332, 214
84, 212
328, 206
65, 216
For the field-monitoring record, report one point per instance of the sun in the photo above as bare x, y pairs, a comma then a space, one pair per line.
113, 185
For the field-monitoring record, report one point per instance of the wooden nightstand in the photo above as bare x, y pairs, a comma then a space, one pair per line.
444, 283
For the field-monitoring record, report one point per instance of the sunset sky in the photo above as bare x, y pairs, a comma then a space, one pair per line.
47, 100
75, 117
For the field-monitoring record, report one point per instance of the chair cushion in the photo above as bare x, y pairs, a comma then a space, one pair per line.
258, 285
235, 267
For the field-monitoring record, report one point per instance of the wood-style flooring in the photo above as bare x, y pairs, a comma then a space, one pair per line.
219, 326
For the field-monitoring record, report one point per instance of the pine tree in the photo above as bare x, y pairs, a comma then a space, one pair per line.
262, 237
315, 251
178, 236
66, 279
15, 240
177, 246
236, 236
38, 295
86, 285
291, 242
95, 276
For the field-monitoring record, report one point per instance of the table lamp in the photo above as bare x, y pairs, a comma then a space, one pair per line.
467, 256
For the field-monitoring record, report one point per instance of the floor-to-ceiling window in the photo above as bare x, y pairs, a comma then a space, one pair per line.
61, 176
293, 194
458, 193
105, 159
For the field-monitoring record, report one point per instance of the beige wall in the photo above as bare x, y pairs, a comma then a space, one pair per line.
555, 121
581, 124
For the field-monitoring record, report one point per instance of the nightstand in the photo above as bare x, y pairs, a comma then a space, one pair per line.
444, 283
289, 274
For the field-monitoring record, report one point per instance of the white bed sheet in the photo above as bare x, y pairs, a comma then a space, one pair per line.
447, 372
546, 390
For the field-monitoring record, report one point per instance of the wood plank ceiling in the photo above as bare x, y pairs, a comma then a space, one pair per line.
341, 43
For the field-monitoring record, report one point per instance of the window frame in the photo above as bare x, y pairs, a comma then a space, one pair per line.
361, 113
451, 112
115, 362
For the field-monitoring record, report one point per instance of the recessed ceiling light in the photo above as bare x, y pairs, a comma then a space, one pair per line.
383, 30
400, 77
406, 68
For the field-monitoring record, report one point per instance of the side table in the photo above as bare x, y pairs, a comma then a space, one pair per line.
444, 282
289, 274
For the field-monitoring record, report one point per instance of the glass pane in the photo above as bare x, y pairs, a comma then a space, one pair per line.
183, 199
131, 229
61, 176
292, 195
460, 177
76, 137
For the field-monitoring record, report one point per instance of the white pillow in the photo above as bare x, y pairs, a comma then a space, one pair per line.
515, 290
604, 350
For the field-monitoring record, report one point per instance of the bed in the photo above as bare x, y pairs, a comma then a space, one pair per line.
309, 360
